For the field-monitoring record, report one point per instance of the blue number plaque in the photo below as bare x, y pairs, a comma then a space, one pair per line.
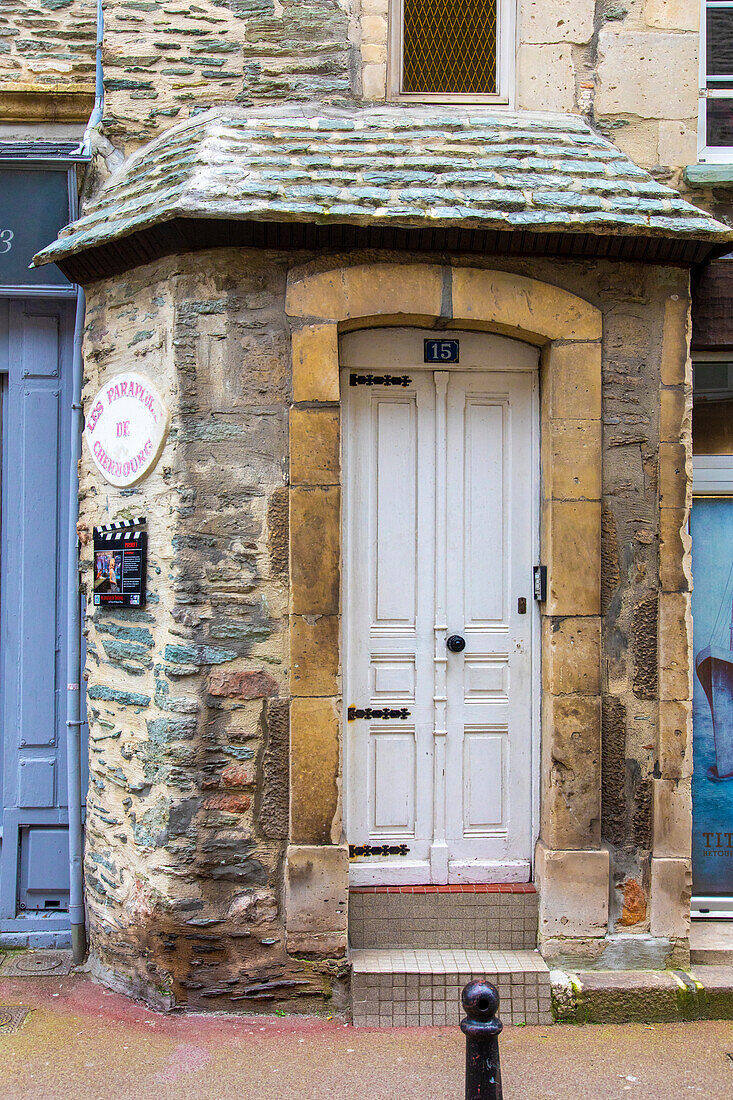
441, 351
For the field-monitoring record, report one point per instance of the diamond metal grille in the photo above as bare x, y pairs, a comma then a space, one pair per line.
449, 47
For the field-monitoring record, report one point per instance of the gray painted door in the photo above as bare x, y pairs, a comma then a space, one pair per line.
36, 337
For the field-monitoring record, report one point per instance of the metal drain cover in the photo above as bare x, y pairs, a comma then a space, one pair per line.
29, 964
11, 1018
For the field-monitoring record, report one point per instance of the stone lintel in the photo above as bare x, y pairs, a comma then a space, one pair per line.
46, 103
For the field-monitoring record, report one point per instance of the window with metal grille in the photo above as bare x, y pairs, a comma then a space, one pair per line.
453, 49
449, 46
716, 80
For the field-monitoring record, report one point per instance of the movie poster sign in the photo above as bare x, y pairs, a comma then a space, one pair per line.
120, 564
712, 780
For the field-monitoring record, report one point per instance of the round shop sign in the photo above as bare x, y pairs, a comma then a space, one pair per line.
126, 428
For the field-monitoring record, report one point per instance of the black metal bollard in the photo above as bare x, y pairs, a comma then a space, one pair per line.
481, 1028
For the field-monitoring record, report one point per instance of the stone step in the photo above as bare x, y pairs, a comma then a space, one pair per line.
644, 996
483, 917
406, 988
711, 942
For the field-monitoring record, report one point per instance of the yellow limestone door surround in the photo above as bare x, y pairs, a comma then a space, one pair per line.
320, 306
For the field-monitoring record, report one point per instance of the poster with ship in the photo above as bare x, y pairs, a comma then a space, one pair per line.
712, 780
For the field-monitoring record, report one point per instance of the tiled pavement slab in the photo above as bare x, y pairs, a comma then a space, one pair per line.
404, 987
11, 1018
30, 964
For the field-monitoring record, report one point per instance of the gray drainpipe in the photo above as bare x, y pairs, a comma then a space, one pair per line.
96, 115
73, 641
73, 625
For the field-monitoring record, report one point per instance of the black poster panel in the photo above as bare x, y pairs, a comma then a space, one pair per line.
120, 564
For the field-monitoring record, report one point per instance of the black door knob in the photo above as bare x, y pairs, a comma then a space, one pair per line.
456, 644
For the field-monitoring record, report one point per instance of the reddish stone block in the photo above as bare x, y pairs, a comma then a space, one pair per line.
634, 908
238, 775
242, 684
232, 803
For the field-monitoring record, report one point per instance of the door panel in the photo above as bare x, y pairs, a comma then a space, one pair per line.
439, 537
37, 610
395, 497
38, 337
489, 566
478, 424
44, 869
483, 770
393, 783
390, 582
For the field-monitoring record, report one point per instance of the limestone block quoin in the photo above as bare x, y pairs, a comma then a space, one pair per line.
573, 889
316, 896
671, 893
665, 74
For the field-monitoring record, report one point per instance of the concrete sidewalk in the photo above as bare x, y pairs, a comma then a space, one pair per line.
80, 1042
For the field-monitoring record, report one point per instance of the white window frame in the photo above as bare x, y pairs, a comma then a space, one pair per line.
506, 31
711, 154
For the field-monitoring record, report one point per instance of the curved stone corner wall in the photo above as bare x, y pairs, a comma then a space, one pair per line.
188, 697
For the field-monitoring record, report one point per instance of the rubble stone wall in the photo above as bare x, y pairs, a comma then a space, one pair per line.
189, 697
163, 61
47, 43
630, 67
188, 701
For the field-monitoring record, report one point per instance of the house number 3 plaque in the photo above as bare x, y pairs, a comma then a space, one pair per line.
127, 424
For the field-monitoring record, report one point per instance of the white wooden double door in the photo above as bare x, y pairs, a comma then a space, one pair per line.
440, 520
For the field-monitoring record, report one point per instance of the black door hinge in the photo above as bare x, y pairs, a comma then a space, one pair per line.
356, 850
352, 713
380, 380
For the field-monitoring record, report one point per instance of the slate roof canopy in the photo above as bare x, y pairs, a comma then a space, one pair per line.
463, 178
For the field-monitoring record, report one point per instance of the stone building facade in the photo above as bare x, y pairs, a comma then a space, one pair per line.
276, 195
47, 61
198, 733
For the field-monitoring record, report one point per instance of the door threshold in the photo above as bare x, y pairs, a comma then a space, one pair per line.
711, 908
451, 888
711, 942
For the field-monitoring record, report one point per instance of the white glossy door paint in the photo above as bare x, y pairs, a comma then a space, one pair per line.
440, 538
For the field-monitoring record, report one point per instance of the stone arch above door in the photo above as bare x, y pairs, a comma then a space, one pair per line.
323, 304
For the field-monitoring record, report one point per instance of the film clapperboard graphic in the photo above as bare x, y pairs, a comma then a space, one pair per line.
120, 561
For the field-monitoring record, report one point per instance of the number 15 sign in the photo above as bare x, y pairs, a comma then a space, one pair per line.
441, 351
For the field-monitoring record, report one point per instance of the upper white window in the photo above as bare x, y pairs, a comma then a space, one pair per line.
715, 126
452, 50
